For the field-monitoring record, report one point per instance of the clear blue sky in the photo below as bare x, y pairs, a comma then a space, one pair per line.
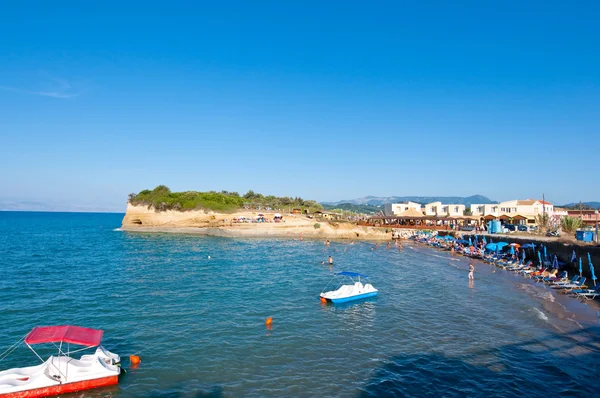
324, 100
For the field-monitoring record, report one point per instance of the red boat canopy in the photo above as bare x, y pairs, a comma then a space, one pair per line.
64, 334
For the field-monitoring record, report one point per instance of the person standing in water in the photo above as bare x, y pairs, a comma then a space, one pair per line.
471, 270
330, 260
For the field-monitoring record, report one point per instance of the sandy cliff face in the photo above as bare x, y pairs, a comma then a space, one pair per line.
137, 216
142, 219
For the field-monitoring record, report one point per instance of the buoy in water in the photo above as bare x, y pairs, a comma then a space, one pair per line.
268, 321
323, 300
134, 359
209, 257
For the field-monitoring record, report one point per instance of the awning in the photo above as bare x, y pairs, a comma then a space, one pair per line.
490, 217
64, 334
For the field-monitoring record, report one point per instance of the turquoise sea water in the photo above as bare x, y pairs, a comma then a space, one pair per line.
198, 324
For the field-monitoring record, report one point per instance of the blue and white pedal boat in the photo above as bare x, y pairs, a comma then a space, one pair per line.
350, 288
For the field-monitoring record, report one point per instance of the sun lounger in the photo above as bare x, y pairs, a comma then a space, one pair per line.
571, 286
588, 294
561, 283
563, 277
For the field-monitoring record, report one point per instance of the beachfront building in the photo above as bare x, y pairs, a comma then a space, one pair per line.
482, 210
439, 209
394, 209
589, 217
526, 207
515, 211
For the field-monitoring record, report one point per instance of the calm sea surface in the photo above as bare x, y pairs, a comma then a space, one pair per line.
198, 324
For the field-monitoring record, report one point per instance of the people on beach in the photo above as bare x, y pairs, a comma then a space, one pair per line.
471, 270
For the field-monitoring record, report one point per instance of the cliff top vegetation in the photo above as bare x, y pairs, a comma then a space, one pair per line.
161, 198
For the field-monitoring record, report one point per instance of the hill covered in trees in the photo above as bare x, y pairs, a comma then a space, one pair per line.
354, 208
161, 198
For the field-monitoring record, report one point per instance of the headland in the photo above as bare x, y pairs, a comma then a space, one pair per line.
245, 224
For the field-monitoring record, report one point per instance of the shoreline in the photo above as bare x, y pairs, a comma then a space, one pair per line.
240, 232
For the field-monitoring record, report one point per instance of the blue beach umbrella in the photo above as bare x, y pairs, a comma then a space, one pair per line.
470, 242
545, 256
540, 258
476, 240
592, 268
512, 250
573, 257
555, 262
580, 267
484, 241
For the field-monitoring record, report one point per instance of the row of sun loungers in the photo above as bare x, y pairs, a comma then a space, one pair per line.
550, 277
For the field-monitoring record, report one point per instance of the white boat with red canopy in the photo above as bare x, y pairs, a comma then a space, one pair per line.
61, 374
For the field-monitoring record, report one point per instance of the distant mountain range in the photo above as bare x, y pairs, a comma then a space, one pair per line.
593, 205
378, 201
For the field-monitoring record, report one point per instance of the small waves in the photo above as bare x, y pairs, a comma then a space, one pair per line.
540, 314
536, 292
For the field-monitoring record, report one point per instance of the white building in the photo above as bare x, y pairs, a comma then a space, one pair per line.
482, 210
527, 207
393, 209
439, 209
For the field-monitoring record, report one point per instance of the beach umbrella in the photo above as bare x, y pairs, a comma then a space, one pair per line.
573, 257
484, 241
470, 242
544, 247
502, 245
476, 240
512, 250
580, 267
555, 262
591, 268
540, 258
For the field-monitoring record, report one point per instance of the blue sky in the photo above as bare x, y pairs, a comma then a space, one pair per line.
324, 100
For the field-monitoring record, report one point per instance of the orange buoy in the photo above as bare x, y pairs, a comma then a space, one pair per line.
134, 359
323, 300
269, 321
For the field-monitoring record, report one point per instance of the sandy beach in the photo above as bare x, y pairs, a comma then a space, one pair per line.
142, 219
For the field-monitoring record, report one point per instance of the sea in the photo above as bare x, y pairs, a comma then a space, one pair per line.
193, 308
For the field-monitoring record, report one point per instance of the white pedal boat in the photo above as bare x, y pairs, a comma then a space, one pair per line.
355, 290
61, 374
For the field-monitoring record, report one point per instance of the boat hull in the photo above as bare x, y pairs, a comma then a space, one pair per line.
64, 388
353, 298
